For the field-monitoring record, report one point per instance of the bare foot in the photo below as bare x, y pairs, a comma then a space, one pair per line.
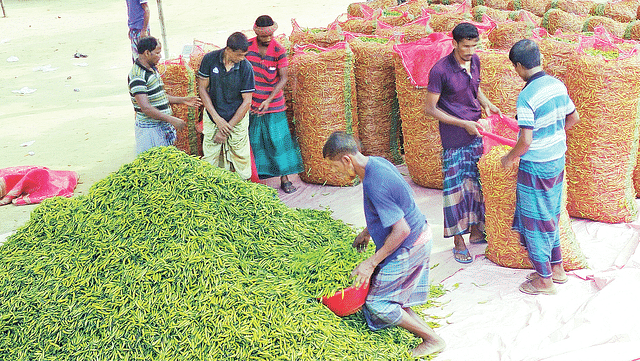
428, 347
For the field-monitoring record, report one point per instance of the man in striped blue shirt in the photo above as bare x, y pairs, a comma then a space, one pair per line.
545, 112
155, 123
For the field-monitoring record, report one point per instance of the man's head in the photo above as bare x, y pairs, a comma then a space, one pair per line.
465, 41
237, 47
525, 55
150, 50
340, 150
264, 28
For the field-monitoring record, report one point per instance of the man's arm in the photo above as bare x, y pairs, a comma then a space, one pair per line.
203, 91
284, 76
152, 112
488, 106
399, 232
522, 146
189, 101
242, 110
147, 16
571, 120
432, 109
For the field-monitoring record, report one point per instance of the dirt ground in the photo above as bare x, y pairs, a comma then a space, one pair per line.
80, 117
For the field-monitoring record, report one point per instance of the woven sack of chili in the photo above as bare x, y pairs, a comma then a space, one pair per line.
578, 7
365, 9
394, 18
179, 80
555, 19
503, 243
422, 144
324, 93
283, 40
449, 2
359, 25
495, 4
507, 33
407, 33
497, 15
603, 147
378, 114
623, 11
447, 21
500, 83
413, 7
536, 7
200, 48
555, 53
632, 31
616, 28
322, 37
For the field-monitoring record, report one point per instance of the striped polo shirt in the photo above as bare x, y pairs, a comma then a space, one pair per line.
543, 106
266, 75
146, 81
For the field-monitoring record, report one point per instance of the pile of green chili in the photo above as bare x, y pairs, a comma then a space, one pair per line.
170, 258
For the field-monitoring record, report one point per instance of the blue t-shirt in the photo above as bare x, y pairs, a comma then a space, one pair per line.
543, 106
135, 12
387, 199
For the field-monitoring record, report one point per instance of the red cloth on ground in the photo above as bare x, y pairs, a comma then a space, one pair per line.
32, 184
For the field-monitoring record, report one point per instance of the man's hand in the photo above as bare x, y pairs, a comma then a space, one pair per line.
224, 128
492, 109
192, 101
473, 128
219, 138
361, 241
177, 123
507, 162
362, 273
264, 106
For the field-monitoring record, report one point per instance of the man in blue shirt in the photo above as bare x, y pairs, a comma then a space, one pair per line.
545, 111
138, 15
398, 272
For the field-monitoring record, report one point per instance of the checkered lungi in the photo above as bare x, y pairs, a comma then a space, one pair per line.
537, 214
463, 204
401, 283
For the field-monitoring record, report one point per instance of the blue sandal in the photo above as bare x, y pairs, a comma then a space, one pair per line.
462, 256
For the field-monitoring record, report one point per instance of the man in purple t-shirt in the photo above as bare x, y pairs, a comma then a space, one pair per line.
138, 14
454, 98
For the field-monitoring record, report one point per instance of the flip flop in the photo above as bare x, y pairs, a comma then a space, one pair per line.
288, 187
533, 275
478, 241
462, 256
528, 288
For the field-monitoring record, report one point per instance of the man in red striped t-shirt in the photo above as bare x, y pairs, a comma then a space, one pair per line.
275, 152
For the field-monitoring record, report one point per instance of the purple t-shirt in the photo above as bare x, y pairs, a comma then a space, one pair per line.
458, 97
387, 199
136, 13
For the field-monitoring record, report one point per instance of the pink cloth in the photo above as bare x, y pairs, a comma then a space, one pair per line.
420, 56
31, 184
502, 131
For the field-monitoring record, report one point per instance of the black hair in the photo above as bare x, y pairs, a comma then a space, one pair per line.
525, 52
264, 21
338, 144
238, 41
147, 43
465, 31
